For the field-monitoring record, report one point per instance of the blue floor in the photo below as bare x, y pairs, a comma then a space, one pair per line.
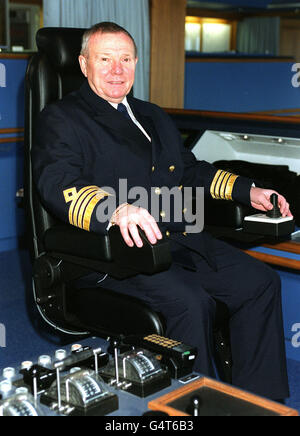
27, 336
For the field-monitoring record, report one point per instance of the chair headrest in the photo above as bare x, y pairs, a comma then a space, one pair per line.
61, 44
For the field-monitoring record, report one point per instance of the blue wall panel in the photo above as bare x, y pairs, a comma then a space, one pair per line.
240, 86
11, 179
290, 302
12, 94
291, 312
12, 73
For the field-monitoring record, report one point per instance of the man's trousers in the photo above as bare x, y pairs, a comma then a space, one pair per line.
252, 292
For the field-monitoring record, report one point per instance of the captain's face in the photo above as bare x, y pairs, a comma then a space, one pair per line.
110, 65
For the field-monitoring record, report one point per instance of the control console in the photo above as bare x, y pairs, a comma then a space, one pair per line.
271, 223
85, 380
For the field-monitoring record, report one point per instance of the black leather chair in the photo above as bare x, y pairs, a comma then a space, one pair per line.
61, 253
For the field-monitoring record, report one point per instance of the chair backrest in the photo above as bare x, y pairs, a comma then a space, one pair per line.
52, 73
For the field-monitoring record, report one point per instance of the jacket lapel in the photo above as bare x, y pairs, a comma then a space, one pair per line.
148, 124
120, 125
110, 119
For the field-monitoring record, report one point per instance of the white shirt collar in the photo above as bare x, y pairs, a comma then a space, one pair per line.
124, 101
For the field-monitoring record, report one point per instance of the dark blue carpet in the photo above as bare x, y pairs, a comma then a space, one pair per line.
27, 336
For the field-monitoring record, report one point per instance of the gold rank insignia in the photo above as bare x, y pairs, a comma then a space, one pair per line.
222, 185
83, 204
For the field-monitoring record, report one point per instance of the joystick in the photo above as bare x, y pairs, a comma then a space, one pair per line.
194, 406
275, 212
271, 223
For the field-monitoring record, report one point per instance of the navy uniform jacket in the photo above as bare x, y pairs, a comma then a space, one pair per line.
83, 145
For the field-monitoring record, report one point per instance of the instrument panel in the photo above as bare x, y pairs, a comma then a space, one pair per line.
87, 380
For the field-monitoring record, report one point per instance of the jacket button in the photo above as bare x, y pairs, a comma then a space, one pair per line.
163, 214
180, 187
167, 233
153, 168
157, 191
171, 168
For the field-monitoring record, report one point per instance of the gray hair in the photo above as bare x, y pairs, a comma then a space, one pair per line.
104, 27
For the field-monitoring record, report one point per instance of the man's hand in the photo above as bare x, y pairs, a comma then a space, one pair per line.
129, 217
260, 199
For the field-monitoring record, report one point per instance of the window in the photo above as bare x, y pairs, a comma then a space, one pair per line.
24, 23
216, 37
192, 36
209, 35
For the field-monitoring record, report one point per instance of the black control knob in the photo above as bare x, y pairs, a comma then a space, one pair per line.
275, 212
194, 406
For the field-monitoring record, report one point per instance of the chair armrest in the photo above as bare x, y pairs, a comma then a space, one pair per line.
67, 239
149, 259
108, 249
222, 213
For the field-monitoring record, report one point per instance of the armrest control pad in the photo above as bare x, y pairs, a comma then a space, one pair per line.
149, 259
68, 240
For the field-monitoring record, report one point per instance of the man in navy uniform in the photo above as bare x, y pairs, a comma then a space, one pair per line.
98, 135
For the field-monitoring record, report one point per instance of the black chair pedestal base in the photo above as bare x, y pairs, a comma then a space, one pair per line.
127, 315
131, 316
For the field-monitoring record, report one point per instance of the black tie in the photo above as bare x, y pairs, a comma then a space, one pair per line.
123, 109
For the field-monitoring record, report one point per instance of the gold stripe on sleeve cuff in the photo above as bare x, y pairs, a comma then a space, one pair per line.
222, 185
83, 204
78, 218
90, 208
229, 187
76, 202
213, 185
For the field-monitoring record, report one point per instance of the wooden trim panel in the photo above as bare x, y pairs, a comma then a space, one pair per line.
11, 130
167, 52
288, 246
161, 403
234, 116
11, 139
15, 55
278, 111
275, 260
